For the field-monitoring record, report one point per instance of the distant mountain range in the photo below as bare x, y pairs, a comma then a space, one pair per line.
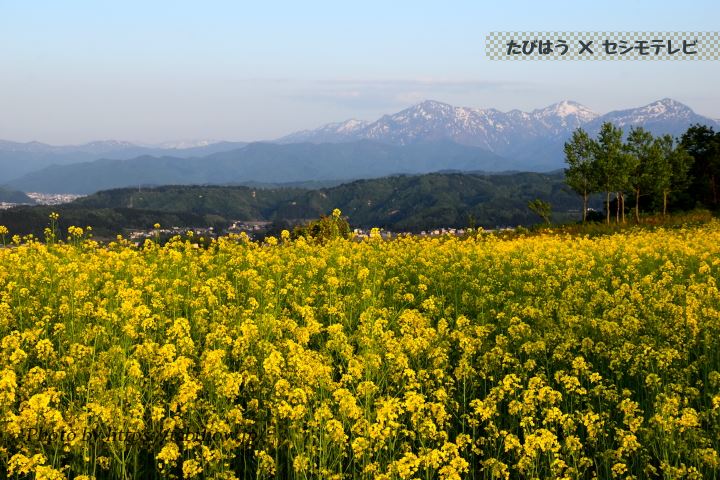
427, 137
17, 159
535, 139
263, 162
430, 121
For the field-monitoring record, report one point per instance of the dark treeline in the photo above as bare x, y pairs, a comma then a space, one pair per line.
644, 171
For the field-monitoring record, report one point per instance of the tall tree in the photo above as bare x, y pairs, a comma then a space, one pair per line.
609, 158
624, 167
703, 144
581, 173
643, 155
672, 168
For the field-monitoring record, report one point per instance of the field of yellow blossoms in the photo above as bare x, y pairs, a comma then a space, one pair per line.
544, 356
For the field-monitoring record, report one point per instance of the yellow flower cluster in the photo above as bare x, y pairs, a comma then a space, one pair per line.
550, 356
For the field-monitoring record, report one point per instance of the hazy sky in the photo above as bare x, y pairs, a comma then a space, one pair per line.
155, 70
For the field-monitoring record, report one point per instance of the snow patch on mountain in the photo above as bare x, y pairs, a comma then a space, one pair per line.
185, 144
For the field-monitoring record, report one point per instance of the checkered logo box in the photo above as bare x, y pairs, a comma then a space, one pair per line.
643, 46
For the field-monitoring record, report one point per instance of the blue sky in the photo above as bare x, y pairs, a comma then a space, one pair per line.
153, 71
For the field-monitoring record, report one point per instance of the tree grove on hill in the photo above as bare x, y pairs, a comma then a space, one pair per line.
642, 165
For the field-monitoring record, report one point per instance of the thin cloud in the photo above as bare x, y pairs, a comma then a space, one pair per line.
374, 94
426, 82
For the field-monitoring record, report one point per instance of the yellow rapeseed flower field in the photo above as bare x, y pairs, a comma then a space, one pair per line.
547, 356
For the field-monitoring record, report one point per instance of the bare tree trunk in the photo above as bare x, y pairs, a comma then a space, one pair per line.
665, 195
607, 206
637, 205
585, 203
622, 206
617, 207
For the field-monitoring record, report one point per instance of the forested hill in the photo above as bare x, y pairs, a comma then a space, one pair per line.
412, 203
14, 196
400, 203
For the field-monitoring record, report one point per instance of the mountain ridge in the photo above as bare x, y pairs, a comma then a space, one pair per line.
18, 159
515, 134
264, 162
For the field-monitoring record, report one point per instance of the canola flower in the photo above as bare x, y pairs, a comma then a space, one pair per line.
550, 356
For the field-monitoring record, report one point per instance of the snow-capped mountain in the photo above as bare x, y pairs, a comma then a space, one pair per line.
534, 137
560, 117
330, 133
432, 120
660, 117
